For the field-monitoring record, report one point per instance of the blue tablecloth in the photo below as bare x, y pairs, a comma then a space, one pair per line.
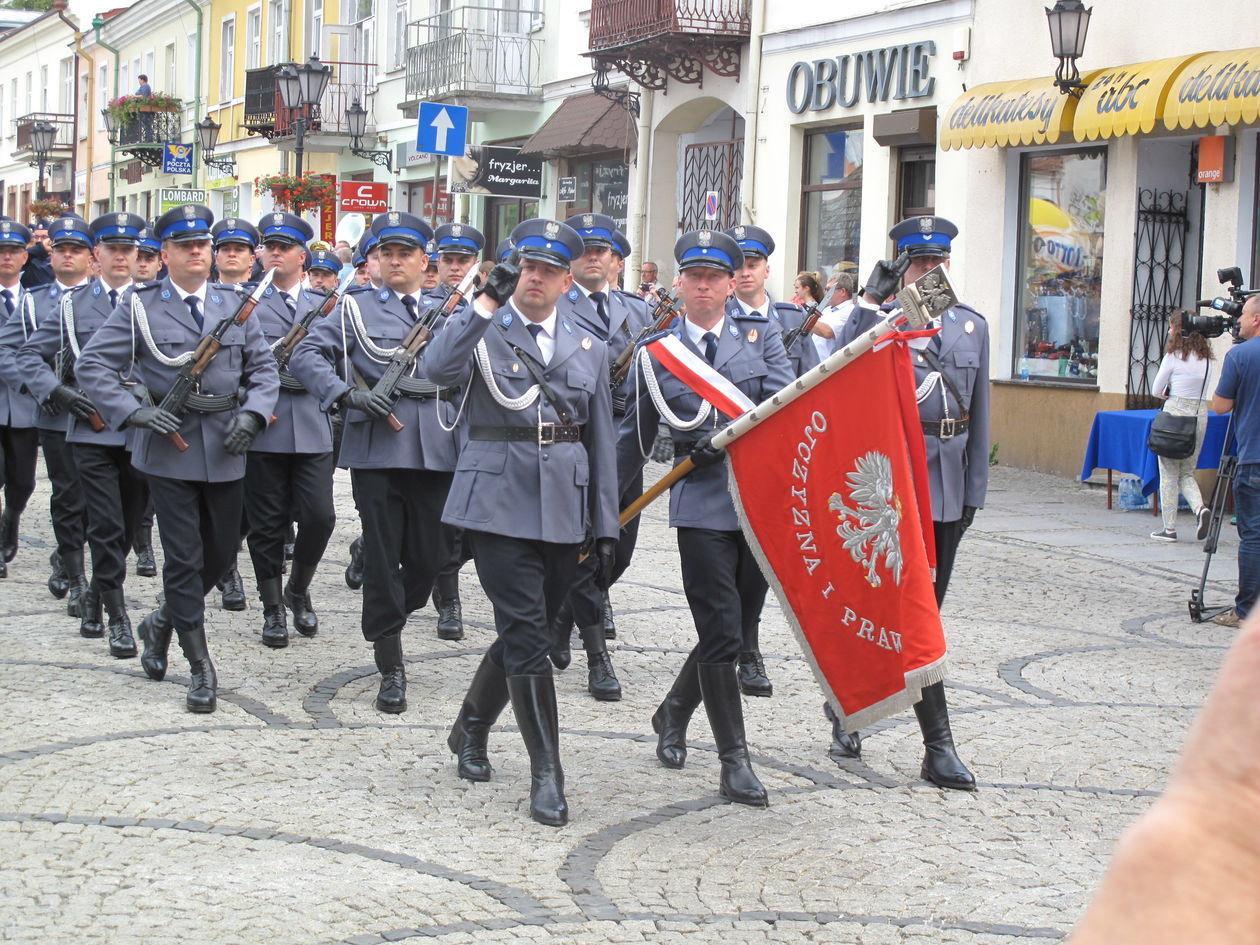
1118, 441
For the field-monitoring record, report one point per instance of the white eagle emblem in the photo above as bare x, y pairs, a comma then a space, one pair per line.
277, 219
739, 232
705, 238
122, 219
457, 230
927, 225
190, 212
393, 219
870, 529
552, 230
588, 220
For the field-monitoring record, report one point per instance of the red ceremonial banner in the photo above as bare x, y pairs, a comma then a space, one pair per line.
826, 491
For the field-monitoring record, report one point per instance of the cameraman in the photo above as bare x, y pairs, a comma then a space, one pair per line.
1240, 387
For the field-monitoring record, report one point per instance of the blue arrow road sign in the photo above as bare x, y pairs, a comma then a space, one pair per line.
443, 129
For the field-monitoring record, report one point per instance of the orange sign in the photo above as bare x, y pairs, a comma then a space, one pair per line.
1216, 160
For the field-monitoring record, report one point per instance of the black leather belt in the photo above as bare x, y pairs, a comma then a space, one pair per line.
204, 403
290, 383
544, 434
944, 429
415, 389
618, 405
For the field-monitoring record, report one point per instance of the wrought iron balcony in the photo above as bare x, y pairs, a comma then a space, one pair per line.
651, 40
63, 143
266, 115
479, 56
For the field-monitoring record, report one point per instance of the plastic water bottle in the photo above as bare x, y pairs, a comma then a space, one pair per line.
1023, 369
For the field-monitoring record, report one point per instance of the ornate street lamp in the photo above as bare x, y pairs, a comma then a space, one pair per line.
1069, 22
356, 118
302, 88
208, 136
111, 127
43, 134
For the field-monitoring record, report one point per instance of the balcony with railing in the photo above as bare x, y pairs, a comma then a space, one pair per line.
328, 127
63, 143
652, 40
483, 57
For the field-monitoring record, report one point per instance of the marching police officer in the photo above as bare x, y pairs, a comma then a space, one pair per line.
115, 494
18, 441
536, 478
72, 241
952, 379
717, 563
324, 270
198, 492
290, 465
234, 243
750, 297
400, 479
148, 265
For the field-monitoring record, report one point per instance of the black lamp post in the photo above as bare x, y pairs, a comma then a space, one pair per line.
111, 126
356, 118
208, 137
1069, 22
301, 88
43, 134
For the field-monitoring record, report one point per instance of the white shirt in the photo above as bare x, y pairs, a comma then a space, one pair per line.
546, 338
763, 309
1183, 377
834, 316
696, 333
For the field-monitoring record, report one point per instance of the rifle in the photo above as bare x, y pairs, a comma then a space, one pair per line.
176, 399
416, 341
63, 367
812, 314
302, 327
666, 308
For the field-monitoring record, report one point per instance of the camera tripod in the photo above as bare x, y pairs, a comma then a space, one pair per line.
1220, 494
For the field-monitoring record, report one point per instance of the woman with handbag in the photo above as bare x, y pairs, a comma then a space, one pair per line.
1183, 380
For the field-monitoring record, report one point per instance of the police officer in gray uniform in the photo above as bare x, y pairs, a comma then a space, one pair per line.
951, 373
72, 242
400, 479
458, 247
290, 466
18, 441
115, 494
750, 297
198, 493
717, 563
536, 478
594, 301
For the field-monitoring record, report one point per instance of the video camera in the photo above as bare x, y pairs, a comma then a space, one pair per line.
1213, 326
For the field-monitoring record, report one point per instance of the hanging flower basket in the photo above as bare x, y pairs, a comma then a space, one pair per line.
125, 108
47, 209
296, 194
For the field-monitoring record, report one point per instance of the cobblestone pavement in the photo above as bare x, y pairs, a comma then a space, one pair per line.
298, 814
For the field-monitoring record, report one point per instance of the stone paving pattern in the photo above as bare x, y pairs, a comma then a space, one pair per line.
298, 815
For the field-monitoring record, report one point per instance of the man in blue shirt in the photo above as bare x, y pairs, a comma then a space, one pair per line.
1239, 388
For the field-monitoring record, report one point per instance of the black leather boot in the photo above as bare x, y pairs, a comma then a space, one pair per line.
354, 570
155, 633
534, 702
142, 545
76, 582
9, 532
203, 684
275, 631
297, 597
450, 622
726, 717
122, 644
58, 580
606, 614
392, 695
941, 764
670, 720
233, 589
485, 699
843, 744
90, 623
561, 634
601, 681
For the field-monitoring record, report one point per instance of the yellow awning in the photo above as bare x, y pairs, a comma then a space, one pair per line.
1221, 88
1027, 111
1125, 100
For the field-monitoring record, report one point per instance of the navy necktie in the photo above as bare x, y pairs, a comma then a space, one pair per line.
710, 346
113, 297
194, 309
289, 301
535, 330
8, 300
410, 302
599, 298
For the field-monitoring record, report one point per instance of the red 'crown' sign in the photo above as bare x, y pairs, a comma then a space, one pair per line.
364, 196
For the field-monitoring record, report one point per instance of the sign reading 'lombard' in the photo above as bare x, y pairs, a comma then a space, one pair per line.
899, 72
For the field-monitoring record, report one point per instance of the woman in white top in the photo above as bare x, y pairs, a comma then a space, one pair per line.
1184, 379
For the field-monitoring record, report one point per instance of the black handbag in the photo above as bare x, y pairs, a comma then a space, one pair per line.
1173, 437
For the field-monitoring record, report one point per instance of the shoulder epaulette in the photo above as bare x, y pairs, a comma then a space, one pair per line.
788, 306
356, 289
39, 288
967, 308
743, 316
655, 335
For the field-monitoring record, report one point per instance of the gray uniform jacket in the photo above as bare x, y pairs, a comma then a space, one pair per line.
750, 354
958, 468
39, 307
334, 348
558, 493
17, 408
628, 315
119, 349
803, 355
37, 358
300, 425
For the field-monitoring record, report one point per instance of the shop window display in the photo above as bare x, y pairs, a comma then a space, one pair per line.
831, 214
1061, 253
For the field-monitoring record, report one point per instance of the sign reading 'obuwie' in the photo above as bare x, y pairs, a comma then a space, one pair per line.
897, 72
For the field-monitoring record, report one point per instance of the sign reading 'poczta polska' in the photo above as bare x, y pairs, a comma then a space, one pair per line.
500, 172
177, 158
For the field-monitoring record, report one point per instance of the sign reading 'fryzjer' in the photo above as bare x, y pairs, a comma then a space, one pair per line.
501, 172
